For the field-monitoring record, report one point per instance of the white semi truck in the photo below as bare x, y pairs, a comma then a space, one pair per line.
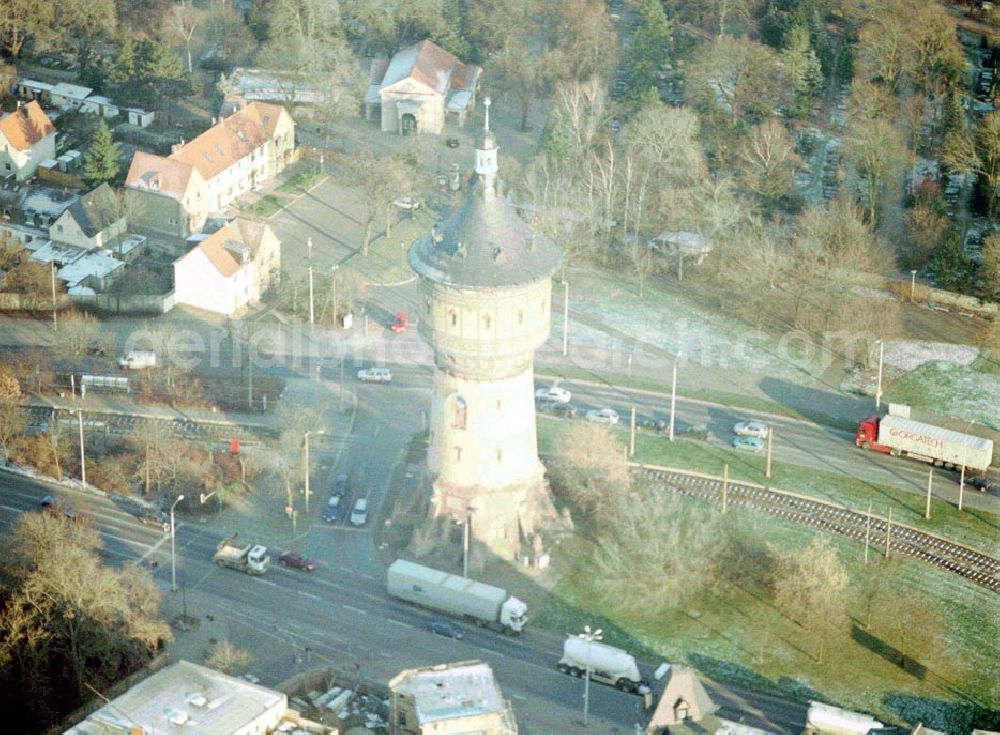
250, 558
607, 664
453, 594
898, 435
137, 360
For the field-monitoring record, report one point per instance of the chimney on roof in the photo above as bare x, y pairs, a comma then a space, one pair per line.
65, 193
177, 147
215, 121
19, 103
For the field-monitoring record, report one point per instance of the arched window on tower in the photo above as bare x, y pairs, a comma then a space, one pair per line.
520, 316
459, 413
487, 321
453, 318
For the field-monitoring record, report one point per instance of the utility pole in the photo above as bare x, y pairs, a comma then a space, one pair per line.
55, 321
335, 268
888, 533
878, 388
913, 284
83, 457
673, 396
312, 312
340, 390
767, 469
868, 531
930, 484
725, 486
306, 440
465, 542
565, 317
631, 437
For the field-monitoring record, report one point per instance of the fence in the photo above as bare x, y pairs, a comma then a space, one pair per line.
130, 304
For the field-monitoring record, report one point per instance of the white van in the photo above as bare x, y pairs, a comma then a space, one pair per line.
359, 516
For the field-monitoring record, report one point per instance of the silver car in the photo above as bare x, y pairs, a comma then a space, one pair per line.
751, 428
602, 416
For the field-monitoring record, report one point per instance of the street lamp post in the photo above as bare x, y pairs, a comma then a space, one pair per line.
306, 439
673, 396
465, 542
334, 268
218, 499
55, 321
878, 387
173, 549
83, 455
913, 284
312, 312
565, 317
590, 636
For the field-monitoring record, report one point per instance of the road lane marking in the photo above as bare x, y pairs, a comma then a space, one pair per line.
355, 609
269, 583
309, 594
398, 622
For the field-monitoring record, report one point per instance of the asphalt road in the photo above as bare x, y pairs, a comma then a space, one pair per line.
342, 610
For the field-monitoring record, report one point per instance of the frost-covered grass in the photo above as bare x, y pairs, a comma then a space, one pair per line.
962, 391
732, 632
671, 322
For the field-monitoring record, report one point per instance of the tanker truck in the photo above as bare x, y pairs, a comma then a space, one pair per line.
249, 558
483, 604
897, 435
607, 664
826, 720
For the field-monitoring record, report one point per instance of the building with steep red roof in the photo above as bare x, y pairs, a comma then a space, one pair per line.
420, 89
27, 137
229, 269
234, 156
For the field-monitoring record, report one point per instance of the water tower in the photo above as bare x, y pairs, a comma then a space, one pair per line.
485, 303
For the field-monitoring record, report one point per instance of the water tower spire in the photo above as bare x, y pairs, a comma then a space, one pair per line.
486, 155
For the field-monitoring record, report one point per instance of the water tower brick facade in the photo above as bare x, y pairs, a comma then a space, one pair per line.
485, 307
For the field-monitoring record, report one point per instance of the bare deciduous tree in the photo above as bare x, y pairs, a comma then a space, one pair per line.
589, 467
769, 161
812, 589
227, 658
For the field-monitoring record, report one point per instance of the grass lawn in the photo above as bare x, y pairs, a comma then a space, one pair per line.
267, 205
971, 392
731, 632
975, 528
302, 181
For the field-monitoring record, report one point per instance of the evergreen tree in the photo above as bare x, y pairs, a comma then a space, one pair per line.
952, 267
452, 39
954, 112
801, 67
650, 50
158, 73
101, 163
123, 67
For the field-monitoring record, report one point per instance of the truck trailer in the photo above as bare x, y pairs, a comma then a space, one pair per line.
902, 436
824, 719
607, 664
453, 594
250, 558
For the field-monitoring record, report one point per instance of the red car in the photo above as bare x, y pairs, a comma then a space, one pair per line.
401, 322
297, 560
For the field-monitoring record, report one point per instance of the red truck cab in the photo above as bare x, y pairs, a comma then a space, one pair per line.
401, 322
867, 435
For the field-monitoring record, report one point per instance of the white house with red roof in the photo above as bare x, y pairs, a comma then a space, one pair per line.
234, 156
229, 269
420, 89
27, 137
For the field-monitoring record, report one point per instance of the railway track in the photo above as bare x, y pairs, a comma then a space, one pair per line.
973, 565
124, 425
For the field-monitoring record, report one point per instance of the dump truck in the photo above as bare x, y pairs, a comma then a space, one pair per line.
607, 664
897, 436
249, 558
453, 594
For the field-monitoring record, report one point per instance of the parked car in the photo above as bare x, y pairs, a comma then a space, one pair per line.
359, 515
411, 203
444, 627
401, 320
748, 443
452, 142
982, 484
297, 560
562, 410
602, 415
331, 513
751, 428
340, 484
375, 375
156, 519
553, 393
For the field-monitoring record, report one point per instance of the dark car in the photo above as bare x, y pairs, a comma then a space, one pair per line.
156, 519
695, 432
982, 484
48, 501
333, 509
445, 628
340, 485
297, 560
557, 408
